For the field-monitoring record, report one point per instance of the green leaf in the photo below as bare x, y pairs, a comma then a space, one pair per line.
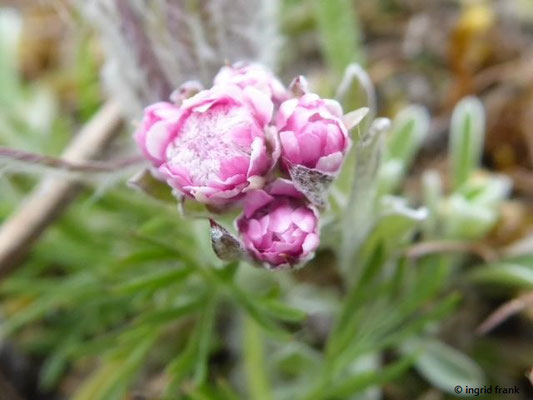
170, 314
445, 367
113, 377
193, 359
359, 382
340, 33
253, 308
153, 280
281, 311
359, 214
254, 361
203, 335
409, 129
55, 366
504, 274
432, 194
467, 134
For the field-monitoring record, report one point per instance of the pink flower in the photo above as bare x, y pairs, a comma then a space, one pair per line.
312, 133
277, 226
245, 74
214, 148
156, 121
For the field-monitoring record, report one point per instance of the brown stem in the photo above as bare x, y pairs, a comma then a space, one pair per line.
447, 246
58, 163
51, 197
504, 312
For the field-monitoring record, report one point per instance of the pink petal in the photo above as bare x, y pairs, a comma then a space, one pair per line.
157, 139
255, 200
310, 243
285, 111
304, 219
333, 107
261, 103
331, 163
283, 187
254, 231
259, 162
335, 140
290, 148
311, 146
280, 219
234, 166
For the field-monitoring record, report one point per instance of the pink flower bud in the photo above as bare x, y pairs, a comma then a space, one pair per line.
214, 147
245, 74
312, 133
277, 226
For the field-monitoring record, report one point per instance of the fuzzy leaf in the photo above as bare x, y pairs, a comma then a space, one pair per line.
360, 211
504, 274
225, 245
446, 367
254, 359
354, 118
148, 184
312, 183
467, 134
340, 32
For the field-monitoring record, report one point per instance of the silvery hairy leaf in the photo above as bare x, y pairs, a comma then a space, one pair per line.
360, 212
145, 181
467, 133
312, 183
225, 245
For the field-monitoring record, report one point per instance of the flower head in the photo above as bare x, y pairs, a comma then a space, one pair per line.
245, 74
277, 226
214, 147
312, 133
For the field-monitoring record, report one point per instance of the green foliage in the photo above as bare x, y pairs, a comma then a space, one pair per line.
512, 273
467, 134
127, 290
446, 367
409, 129
340, 33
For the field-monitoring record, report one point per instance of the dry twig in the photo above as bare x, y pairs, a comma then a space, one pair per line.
53, 194
448, 246
504, 312
90, 167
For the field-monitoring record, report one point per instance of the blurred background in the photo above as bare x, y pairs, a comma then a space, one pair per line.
90, 312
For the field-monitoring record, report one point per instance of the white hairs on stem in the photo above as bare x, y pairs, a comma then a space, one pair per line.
154, 46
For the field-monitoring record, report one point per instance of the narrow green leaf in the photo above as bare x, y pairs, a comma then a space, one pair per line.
504, 274
444, 366
203, 335
254, 310
167, 315
409, 129
340, 33
254, 361
357, 383
467, 134
153, 280
281, 311
360, 211
113, 377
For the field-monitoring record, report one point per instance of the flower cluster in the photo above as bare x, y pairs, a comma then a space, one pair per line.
250, 142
